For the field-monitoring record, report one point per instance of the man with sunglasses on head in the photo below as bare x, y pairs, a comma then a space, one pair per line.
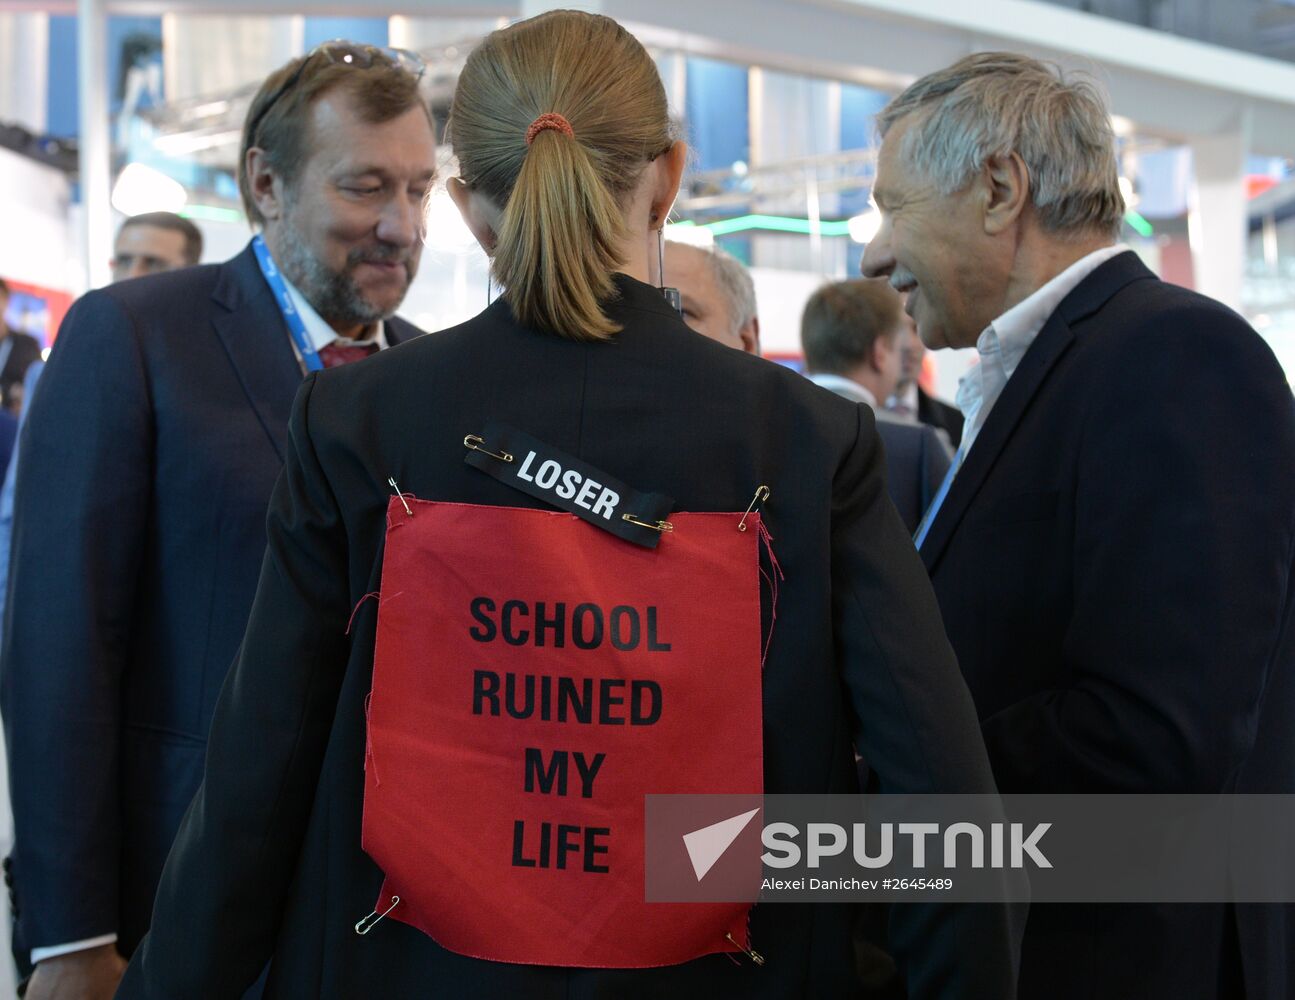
139, 525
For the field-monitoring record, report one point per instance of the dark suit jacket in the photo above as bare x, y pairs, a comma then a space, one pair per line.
1114, 566
938, 413
269, 861
916, 461
8, 434
25, 350
149, 457
916, 458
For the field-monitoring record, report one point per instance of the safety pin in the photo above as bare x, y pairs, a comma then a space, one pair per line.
750, 953
662, 526
761, 495
392, 481
476, 443
366, 924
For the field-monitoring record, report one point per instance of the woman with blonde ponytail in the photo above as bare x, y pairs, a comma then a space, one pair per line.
526, 571
566, 174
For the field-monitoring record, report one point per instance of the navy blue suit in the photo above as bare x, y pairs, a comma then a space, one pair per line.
916, 462
916, 458
8, 435
149, 457
1114, 563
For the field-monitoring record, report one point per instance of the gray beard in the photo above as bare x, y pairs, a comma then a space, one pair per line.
334, 295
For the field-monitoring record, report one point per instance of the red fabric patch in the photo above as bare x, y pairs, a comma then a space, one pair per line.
511, 747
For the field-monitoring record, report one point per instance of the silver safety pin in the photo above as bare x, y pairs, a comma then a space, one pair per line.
392, 481
366, 924
761, 495
750, 953
478, 444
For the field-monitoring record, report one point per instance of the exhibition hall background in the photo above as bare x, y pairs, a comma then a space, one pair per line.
114, 108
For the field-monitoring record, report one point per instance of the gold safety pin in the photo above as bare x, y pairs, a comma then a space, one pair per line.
366, 924
661, 526
761, 495
392, 481
750, 953
478, 444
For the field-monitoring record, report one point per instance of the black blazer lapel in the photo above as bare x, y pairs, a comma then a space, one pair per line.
1052, 342
250, 326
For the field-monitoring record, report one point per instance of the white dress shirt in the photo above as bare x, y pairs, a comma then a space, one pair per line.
846, 387
849, 389
1005, 341
321, 335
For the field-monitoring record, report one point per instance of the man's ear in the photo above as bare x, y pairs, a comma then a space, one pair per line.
265, 184
875, 361
669, 167
750, 335
472, 208
1005, 191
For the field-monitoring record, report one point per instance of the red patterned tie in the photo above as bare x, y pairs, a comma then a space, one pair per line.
341, 353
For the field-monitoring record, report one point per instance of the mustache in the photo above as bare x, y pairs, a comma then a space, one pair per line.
900, 278
379, 255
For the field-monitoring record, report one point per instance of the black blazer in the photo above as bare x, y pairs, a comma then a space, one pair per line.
938, 413
148, 459
1114, 566
268, 861
25, 350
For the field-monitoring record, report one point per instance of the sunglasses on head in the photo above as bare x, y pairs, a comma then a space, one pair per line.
344, 53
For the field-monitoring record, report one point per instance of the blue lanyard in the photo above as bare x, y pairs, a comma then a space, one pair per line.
296, 325
924, 528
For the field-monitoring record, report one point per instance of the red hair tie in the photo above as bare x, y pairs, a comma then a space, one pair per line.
551, 120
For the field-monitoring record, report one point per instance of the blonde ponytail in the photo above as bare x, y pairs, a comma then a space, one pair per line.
557, 246
563, 190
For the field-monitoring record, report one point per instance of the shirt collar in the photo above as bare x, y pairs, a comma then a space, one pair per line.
1012, 333
1003, 343
843, 386
318, 330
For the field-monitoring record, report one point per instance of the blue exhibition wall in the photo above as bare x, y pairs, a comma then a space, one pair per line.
138, 38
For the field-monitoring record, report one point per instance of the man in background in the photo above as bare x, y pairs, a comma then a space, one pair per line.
17, 352
717, 293
1113, 558
154, 242
850, 334
146, 244
913, 403
150, 453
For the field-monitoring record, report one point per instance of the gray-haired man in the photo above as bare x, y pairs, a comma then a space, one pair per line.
717, 292
1113, 556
